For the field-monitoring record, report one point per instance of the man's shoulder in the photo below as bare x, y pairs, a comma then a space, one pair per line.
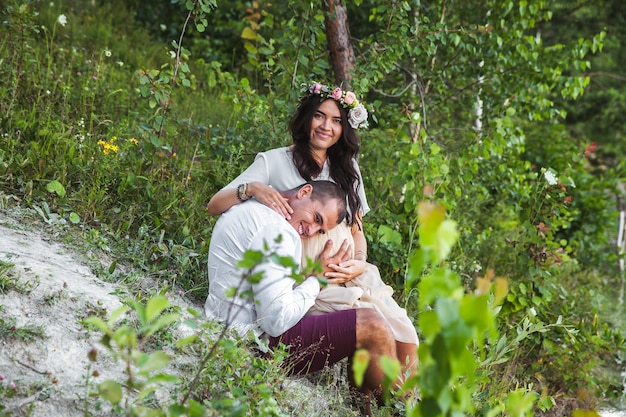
264, 223
261, 214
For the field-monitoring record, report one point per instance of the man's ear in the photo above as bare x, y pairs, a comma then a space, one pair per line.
305, 190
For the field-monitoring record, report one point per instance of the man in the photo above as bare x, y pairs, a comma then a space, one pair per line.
276, 308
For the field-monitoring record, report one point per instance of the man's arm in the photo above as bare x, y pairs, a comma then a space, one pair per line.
280, 306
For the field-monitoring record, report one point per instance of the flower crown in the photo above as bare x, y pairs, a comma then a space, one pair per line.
357, 113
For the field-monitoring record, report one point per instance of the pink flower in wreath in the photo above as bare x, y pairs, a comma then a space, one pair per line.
336, 94
349, 98
316, 88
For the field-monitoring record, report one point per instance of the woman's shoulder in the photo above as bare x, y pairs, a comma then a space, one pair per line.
285, 150
277, 155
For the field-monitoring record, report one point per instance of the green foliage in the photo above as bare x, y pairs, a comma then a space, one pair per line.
219, 375
126, 344
112, 130
451, 323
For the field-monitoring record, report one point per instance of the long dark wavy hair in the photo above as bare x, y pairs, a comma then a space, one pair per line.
340, 155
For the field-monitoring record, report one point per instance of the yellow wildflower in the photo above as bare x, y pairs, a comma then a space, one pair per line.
108, 147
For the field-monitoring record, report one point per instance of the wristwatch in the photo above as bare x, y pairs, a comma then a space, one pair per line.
241, 192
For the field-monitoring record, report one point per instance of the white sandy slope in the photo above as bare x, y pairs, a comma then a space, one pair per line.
48, 374
56, 290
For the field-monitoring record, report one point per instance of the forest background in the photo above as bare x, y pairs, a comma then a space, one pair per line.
119, 122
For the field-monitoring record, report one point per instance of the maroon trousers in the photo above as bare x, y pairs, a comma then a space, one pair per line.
318, 341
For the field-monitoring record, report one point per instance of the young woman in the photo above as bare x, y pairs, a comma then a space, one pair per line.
325, 147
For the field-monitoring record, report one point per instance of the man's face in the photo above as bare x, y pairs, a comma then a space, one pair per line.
309, 216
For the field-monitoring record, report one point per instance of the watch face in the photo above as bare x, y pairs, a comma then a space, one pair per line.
241, 194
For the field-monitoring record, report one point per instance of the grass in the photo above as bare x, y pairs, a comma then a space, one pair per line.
10, 282
27, 333
7, 282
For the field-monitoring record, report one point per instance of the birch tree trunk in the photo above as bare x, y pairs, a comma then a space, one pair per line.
338, 38
621, 239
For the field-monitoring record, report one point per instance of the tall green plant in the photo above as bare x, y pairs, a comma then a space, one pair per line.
453, 322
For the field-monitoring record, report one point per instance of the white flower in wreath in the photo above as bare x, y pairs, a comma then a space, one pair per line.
357, 117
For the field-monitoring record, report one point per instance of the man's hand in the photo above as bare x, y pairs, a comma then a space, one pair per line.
339, 268
342, 255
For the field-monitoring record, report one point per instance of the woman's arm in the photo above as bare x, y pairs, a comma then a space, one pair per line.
360, 243
227, 197
256, 176
222, 201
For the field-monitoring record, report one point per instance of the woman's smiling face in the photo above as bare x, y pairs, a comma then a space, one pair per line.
326, 126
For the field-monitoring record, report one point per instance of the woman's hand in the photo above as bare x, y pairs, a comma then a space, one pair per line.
345, 271
340, 268
265, 194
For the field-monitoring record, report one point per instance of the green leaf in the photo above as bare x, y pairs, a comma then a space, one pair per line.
110, 391
155, 306
163, 322
186, 341
124, 336
97, 322
196, 409
116, 313
440, 282
254, 278
249, 34
475, 311
250, 47
430, 216
286, 261
250, 259
74, 218
360, 362
429, 324
163, 379
56, 187
446, 237
176, 410
391, 368
389, 235
519, 403
153, 362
